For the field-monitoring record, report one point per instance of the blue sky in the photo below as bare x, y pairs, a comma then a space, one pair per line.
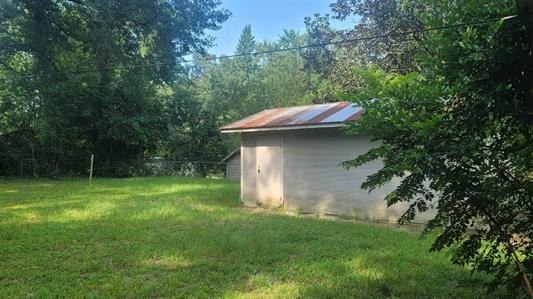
268, 19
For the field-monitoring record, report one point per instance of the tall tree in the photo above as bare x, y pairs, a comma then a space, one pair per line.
394, 53
245, 81
246, 43
284, 78
99, 64
232, 88
459, 134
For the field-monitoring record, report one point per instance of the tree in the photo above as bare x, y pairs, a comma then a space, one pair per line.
246, 43
459, 134
244, 85
333, 64
395, 53
319, 32
230, 89
89, 95
284, 78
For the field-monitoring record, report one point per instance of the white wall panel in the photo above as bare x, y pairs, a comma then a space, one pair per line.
316, 182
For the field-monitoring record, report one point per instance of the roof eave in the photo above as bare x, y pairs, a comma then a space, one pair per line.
283, 128
235, 151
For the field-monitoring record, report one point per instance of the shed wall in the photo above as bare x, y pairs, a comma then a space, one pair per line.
233, 167
315, 182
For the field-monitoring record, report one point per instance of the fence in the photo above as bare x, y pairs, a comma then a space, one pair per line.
128, 168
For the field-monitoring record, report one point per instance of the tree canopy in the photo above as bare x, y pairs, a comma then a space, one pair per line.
98, 70
457, 130
110, 78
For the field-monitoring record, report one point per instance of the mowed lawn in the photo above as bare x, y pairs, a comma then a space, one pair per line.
185, 237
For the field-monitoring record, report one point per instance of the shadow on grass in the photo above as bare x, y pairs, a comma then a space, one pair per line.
51, 201
194, 242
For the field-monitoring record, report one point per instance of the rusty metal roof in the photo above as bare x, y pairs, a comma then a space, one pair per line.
298, 117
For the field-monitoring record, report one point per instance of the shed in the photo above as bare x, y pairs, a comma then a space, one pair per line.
291, 157
233, 165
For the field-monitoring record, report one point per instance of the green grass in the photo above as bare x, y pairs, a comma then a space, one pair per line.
183, 237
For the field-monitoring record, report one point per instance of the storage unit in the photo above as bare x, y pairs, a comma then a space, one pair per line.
233, 165
292, 157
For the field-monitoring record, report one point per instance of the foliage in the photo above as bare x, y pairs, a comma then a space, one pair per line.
185, 237
164, 108
90, 96
241, 86
319, 32
395, 53
459, 134
332, 65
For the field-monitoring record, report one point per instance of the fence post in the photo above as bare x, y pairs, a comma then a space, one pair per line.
21, 168
91, 170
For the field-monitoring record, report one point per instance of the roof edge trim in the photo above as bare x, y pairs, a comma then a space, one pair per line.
285, 128
233, 152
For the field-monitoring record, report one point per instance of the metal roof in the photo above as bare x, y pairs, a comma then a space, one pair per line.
298, 117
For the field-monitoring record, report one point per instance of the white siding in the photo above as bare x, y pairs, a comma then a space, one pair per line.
248, 193
314, 180
233, 167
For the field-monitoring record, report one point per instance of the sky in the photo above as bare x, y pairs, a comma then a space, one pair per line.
268, 19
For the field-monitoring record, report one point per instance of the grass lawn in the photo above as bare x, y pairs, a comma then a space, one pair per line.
184, 237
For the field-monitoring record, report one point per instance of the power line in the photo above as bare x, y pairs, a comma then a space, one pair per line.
317, 45
358, 39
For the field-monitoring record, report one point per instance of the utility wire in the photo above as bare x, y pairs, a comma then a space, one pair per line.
358, 39
317, 45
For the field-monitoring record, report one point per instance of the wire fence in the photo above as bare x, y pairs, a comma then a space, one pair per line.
129, 168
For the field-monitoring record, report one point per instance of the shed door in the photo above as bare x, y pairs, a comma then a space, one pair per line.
269, 170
